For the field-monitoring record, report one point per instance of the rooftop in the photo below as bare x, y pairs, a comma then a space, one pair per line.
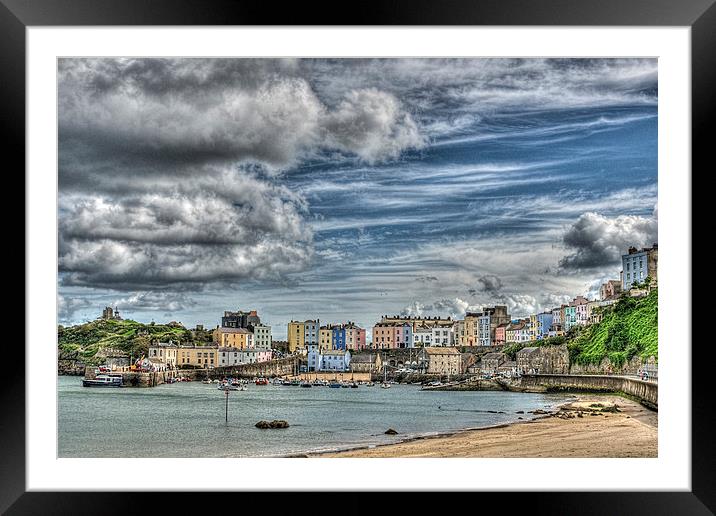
225, 329
528, 350
432, 350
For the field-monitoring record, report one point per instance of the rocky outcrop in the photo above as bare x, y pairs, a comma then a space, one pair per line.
390, 431
276, 423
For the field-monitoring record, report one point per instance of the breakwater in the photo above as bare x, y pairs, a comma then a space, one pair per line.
646, 392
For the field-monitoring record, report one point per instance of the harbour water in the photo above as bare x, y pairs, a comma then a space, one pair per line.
188, 419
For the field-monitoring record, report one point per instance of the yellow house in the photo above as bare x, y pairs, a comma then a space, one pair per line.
296, 335
325, 336
164, 353
534, 327
233, 338
202, 356
466, 330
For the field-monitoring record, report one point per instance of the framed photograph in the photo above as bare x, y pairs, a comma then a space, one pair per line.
423, 242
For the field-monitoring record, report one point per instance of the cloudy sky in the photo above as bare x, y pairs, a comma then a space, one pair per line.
345, 189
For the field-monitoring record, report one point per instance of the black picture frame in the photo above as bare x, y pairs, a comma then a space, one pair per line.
699, 15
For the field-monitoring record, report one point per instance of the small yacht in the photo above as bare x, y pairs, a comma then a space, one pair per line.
103, 380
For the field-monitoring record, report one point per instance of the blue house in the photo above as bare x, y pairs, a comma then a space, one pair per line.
338, 338
544, 321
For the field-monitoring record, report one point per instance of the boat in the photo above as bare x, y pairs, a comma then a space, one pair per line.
103, 380
334, 385
306, 384
344, 385
385, 384
294, 383
229, 387
262, 381
206, 380
354, 385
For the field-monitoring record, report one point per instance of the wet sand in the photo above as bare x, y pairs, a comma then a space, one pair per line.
631, 431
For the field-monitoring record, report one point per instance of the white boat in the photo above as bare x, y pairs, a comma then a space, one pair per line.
103, 380
385, 384
229, 387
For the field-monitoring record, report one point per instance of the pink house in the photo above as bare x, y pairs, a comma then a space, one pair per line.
355, 337
500, 337
384, 336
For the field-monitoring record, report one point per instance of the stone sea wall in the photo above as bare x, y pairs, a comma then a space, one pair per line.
646, 392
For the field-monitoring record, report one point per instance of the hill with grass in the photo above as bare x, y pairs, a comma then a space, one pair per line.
628, 328
89, 342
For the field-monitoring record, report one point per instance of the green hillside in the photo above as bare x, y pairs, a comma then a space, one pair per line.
629, 328
83, 341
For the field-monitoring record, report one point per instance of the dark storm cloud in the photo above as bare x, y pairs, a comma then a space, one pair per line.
489, 283
190, 110
596, 240
165, 166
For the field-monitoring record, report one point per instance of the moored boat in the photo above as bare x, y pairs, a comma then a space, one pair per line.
262, 381
103, 380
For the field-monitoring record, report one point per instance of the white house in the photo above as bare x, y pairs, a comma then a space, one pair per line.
443, 336
422, 337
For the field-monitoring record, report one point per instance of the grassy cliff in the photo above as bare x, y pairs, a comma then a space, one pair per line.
629, 328
83, 341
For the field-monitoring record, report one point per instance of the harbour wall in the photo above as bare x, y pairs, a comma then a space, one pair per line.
150, 379
280, 367
646, 392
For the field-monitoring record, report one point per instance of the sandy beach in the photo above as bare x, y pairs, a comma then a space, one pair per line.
590, 426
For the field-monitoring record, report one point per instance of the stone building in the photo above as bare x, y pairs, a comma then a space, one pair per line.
110, 314
491, 361
508, 368
543, 360
366, 363
524, 360
443, 360
610, 289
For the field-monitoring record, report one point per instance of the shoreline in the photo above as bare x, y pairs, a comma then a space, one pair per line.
624, 429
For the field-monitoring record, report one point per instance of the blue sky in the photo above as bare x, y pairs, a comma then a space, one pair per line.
346, 189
